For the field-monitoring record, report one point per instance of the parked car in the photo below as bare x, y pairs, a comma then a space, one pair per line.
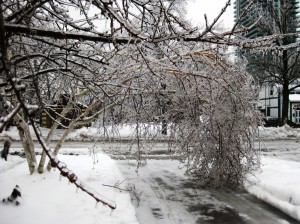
270, 121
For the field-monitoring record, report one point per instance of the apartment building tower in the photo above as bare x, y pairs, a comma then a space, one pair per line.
251, 15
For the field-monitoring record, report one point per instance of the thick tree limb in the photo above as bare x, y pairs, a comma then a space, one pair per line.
21, 29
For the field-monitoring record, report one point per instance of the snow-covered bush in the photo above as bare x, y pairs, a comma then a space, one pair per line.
218, 124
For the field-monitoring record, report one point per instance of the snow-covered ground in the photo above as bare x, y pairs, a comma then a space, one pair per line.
277, 182
48, 198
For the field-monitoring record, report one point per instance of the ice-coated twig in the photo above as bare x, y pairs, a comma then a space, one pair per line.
130, 189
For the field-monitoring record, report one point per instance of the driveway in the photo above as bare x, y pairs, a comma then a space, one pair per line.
167, 196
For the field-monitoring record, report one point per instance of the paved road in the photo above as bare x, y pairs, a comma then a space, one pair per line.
285, 149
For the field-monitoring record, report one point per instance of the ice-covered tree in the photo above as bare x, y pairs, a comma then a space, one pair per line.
131, 61
209, 105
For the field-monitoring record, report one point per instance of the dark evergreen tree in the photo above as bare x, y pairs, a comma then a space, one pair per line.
281, 66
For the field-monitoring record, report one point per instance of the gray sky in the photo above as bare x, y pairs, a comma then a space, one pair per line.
197, 9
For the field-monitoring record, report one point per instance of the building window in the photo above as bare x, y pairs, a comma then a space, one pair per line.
268, 111
271, 90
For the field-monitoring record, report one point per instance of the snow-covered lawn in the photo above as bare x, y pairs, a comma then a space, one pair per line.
49, 199
278, 183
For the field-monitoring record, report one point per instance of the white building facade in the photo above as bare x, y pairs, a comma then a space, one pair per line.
270, 98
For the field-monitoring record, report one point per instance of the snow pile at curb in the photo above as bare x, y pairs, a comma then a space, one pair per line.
278, 183
47, 199
126, 131
277, 133
91, 133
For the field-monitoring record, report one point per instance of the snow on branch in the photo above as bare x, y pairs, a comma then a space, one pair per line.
6, 119
209, 27
259, 43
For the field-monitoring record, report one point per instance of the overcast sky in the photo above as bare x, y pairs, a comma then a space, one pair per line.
197, 9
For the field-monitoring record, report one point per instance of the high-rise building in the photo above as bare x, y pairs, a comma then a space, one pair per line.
248, 19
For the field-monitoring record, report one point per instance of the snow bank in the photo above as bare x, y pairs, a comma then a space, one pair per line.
278, 183
129, 131
92, 133
47, 199
276, 133
123, 131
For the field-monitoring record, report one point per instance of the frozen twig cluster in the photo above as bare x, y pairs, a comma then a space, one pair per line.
129, 188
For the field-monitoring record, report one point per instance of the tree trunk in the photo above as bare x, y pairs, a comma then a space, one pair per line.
27, 143
61, 141
76, 122
50, 135
285, 103
5, 151
31, 164
285, 88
